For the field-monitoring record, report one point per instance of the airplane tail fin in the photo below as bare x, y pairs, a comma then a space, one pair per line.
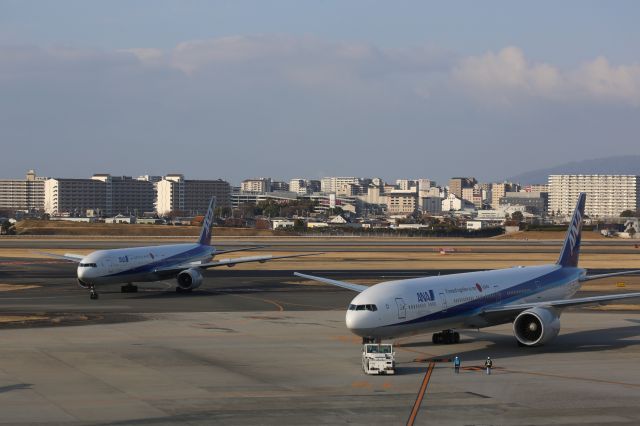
207, 222
571, 248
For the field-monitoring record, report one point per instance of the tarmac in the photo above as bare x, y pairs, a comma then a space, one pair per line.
257, 347
304, 368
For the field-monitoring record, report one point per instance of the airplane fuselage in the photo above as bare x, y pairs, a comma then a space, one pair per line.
406, 307
138, 264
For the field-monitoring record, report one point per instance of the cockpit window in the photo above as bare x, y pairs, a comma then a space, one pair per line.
87, 265
372, 308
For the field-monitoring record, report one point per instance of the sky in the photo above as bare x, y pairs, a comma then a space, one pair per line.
238, 89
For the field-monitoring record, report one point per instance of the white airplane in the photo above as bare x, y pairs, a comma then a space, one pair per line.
152, 263
531, 297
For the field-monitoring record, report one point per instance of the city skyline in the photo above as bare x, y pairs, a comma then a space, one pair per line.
328, 89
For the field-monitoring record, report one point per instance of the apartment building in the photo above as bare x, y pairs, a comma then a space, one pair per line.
22, 194
256, 185
304, 186
499, 189
402, 202
190, 196
456, 184
103, 193
607, 195
279, 186
334, 185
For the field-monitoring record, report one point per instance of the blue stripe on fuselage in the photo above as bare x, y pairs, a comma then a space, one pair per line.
528, 288
176, 259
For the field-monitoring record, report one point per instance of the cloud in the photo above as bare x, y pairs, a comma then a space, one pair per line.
614, 83
507, 77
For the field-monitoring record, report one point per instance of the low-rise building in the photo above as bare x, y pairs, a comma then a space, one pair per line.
535, 202
402, 202
252, 198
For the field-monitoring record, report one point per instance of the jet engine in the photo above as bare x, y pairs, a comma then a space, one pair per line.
189, 279
536, 326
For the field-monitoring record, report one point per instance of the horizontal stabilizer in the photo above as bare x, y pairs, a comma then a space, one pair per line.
613, 274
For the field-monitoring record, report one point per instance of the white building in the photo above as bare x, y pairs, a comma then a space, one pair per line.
407, 184
175, 193
256, 185
22, 194
607, 195
374, 195
452, 202
333, 185
304, 186
103, 193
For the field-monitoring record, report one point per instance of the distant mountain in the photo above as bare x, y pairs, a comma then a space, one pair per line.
622, 165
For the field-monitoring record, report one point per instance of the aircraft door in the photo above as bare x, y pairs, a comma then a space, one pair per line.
402, 308
443, 300
108, 263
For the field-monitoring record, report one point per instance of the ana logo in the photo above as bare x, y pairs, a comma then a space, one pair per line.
426, 296
479, 287
574, 231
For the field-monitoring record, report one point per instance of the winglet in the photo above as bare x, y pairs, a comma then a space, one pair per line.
571, 247
207, 222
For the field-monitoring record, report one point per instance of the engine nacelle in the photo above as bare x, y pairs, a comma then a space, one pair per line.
536, 326
189, 279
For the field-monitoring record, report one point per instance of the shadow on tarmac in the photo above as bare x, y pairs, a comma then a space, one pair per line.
17, 386
505, 346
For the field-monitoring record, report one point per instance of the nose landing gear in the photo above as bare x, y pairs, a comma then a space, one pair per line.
446, 337
93, 295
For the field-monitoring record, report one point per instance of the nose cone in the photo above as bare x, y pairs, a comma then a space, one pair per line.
361, 323
85, 273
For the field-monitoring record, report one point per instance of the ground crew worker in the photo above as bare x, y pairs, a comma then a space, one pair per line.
488, 364
456, 364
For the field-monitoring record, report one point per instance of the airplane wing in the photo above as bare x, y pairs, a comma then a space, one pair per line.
240, 249
613, 274
77, 258
349, 286
229, 262
513, 310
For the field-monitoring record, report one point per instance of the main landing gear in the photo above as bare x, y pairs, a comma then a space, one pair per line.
129, 288
446, 337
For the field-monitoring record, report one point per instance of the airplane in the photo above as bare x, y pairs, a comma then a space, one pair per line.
531, 297
152, 263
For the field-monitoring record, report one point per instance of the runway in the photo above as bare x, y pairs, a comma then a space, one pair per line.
54, 289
